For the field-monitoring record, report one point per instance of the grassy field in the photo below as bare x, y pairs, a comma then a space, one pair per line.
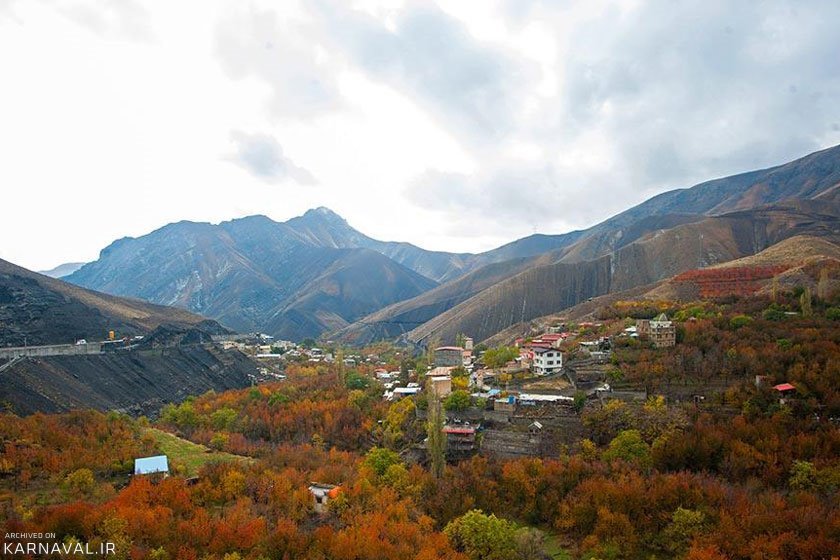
188, 455
553, 548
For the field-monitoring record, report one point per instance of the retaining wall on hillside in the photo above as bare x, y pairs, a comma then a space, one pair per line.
50, 350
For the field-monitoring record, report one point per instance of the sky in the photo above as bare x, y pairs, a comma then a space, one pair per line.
455, 125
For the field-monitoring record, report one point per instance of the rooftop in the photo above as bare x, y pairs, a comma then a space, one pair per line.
151, 465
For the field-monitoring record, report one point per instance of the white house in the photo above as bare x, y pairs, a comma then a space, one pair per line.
547, 361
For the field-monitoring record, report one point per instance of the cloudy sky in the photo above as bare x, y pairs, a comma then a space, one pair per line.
455, 125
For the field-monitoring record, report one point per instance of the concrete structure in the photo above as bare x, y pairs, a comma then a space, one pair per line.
660, 331
441, 385
547, 361
323, 493
50, 350
159, 464
449, 356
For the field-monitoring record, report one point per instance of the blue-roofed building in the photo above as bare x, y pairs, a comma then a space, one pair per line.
158, 464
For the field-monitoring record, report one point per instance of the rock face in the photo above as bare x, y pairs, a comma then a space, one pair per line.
36, 309
136, 382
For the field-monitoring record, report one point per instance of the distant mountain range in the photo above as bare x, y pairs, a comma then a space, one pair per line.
316, 276
62, 270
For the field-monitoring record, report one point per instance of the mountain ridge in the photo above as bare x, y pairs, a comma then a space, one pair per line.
254, 273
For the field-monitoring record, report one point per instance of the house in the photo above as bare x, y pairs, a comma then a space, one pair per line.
547, 361
449, 356
441, 385
401, 392
507, 404
459, 438
468, 343
159, 464
323, 493
440, 371
660, 330
785, 391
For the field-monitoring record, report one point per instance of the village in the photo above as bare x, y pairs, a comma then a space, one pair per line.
526, 400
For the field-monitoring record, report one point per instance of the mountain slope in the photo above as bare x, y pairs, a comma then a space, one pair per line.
136, 382
549, 288
815, 177
37, 309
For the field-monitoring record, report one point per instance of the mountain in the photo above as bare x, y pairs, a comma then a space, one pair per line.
815, 177
296, 279
61, 270
316, 274
36, 309
546, 289
798, 261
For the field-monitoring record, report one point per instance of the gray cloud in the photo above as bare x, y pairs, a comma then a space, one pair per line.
284, 55
659, 96
473, 89
262, 156
708, 87
675, 94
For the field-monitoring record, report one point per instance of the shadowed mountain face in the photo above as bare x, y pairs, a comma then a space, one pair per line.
36, 309
295, 279
136, 382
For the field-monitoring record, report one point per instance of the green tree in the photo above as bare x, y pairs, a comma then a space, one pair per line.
457, 400
580, 401
224, 418
824, 285
739, 321
379, 459
495, 358
773, 313
79, 483
803, 475
685, 525
630, 447
483, 537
